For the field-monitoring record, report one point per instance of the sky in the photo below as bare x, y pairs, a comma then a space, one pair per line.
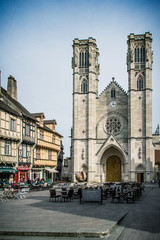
36, 38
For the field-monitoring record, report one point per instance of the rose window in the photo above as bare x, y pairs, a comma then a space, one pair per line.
113, 125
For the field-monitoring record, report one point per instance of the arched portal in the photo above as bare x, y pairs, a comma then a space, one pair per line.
113, 169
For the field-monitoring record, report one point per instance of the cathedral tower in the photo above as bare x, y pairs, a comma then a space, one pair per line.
85, 91
139, 67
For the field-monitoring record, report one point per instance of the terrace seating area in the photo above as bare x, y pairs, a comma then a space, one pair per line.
114, 192
8, 194
66, 192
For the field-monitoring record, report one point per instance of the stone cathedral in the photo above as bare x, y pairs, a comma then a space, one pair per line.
112, 131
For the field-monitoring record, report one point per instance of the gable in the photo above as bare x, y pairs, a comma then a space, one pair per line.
113, 85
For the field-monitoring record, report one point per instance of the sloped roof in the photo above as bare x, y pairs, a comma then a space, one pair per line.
38, 114
49, 130
22, 109
8, 109
50, 121
113, 82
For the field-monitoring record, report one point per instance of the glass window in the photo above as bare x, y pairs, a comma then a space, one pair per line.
24, 150
140, 84
41, 134
113, 93
138, 55
143, 54
12, 125
49, 154
84, 87
7, 148
86, 59
38, 153
135, 55
27, 132
80, 59
53, 139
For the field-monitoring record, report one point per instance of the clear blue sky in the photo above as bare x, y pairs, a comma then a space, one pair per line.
36, 48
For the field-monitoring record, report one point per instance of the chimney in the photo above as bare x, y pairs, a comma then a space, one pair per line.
12, 87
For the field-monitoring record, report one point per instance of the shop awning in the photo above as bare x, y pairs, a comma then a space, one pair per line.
52, 170
7, 170
23, 168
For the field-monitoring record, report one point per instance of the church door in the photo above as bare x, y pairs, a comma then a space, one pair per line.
140, 177
113, 169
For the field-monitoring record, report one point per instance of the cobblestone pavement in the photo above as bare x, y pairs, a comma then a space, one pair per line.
36, 214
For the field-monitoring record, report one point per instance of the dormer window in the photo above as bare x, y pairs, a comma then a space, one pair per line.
113, 93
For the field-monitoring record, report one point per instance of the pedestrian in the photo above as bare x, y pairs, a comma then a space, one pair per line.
159, 183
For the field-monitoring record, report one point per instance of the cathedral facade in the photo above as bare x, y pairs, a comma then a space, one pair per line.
112, 132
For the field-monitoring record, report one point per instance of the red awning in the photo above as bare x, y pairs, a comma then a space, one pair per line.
23, 168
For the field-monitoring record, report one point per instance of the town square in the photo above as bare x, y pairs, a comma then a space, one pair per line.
79, 119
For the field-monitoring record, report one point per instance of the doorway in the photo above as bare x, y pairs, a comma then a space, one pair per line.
113, 173
140, 177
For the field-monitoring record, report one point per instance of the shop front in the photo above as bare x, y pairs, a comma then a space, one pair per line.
37, 173
7, 174
23, 173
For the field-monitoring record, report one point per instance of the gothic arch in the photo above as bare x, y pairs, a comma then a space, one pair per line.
140, 82
140, 168
109, 151
119, 159
83, 57
84, 86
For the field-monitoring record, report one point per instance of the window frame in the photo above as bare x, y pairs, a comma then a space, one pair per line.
49, 154
84, 86
38, 155
41, 134
24, 150
27, 130
140, 83
113, 93
13, 124
7, 150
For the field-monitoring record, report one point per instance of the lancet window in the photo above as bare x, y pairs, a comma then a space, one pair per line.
84, 86
139, 54
140, 83
84, 59
113, 93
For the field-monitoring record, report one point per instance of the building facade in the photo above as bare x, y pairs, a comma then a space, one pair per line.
29, 145
112, 132
10, 137
21, 127
47, 149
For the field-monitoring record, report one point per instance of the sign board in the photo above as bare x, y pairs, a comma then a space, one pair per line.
91, 195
